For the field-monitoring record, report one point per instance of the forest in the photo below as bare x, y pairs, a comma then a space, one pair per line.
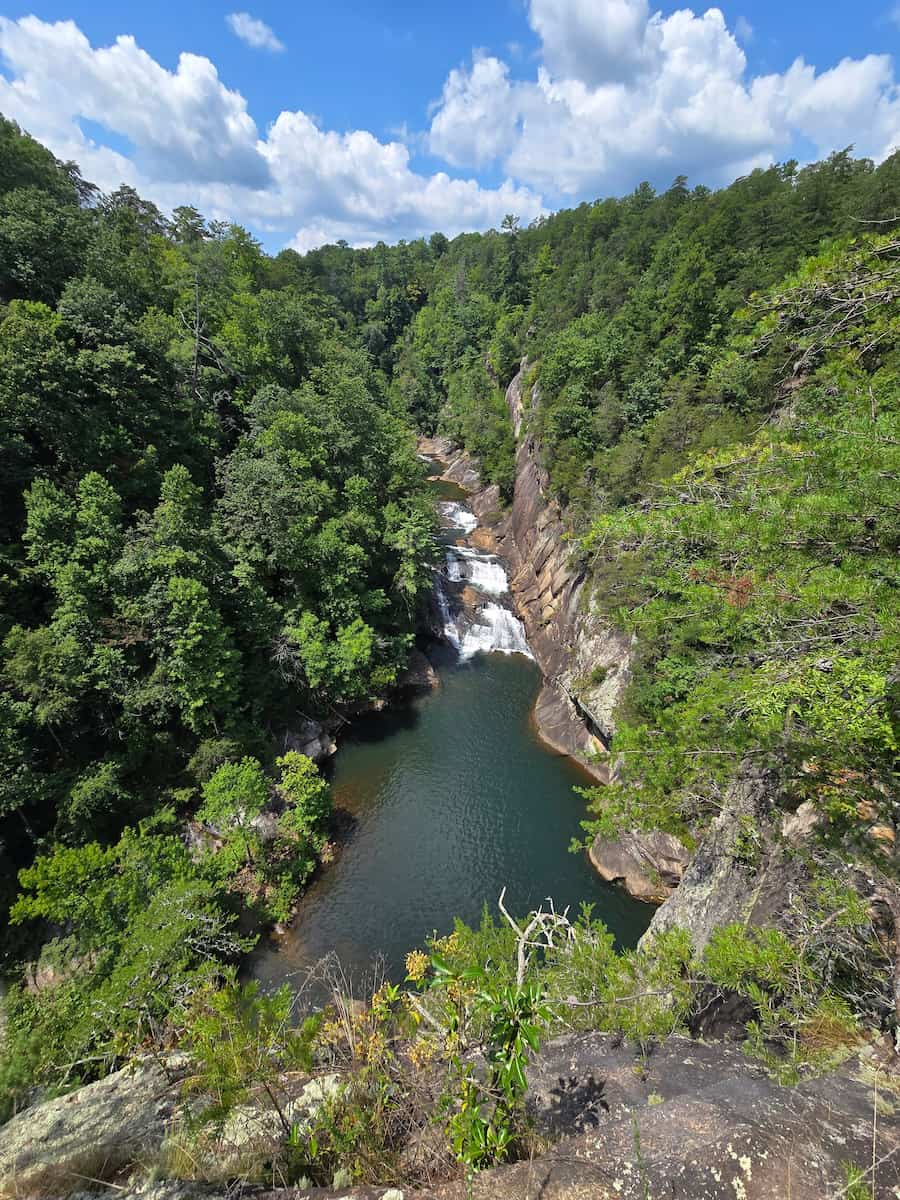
214, 527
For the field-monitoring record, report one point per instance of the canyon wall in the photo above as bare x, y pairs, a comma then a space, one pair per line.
584, 660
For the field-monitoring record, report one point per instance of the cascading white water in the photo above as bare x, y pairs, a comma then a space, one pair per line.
482, 571
457, 515
496, 629
489, 627
448, 624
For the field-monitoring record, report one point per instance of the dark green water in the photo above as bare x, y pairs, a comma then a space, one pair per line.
452, 798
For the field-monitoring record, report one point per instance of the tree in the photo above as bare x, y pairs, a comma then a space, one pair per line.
197, 656
232, 799
306, 795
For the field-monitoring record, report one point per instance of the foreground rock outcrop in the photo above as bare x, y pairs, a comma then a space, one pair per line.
91, 1134
745, 870
681, 1120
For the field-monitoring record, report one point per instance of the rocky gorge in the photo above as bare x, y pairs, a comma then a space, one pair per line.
677, 1119
584, 660
586, 666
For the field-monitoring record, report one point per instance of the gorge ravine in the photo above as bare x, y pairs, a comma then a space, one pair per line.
452, 796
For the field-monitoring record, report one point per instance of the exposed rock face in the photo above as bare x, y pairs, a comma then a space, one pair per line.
462, 469
313, 739
419, 676
682, 1121
254, 1130
49, 1150
723, 1135
584, 660
741, 872
648, 865
579, 1082
437, 447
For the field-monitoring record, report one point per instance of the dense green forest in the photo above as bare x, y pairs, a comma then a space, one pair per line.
211, 528
214, 527
713, 385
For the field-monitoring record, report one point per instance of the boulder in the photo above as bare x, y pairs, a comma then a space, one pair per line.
464, 471
253, 1131
436, 447
483, 539
487, 503
93, 1133
648, 865
311, 738
419, 676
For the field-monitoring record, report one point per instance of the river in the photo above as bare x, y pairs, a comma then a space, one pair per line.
451, 797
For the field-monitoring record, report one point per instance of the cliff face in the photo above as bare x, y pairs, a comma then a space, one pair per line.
584, 661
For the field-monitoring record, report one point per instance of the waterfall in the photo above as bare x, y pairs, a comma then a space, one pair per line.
448, 623
481, 626
495, 629
482, 571
457, 515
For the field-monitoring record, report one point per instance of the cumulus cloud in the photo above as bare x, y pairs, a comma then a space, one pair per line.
623, 94
596, 41
254, 32
367, 189
182, 123
195, 142
620, 94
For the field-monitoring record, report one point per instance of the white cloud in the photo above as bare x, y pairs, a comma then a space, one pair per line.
195, 142
478, 117
254, 32
184, 123
622, 95
743, 29
596, 41
366, 189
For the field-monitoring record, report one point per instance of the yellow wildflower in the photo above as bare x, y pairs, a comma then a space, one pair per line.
416, 966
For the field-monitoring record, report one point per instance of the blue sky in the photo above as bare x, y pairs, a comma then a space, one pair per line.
366, 120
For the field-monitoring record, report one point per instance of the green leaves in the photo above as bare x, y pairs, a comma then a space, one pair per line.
198, 658
767, 576
306, 795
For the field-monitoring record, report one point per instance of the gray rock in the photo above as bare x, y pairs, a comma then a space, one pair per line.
93, 1133
437, 447
254, 1131
464, 470
579, 1082
311, 738
694, 1122
728, 880
648, 865
419, 676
